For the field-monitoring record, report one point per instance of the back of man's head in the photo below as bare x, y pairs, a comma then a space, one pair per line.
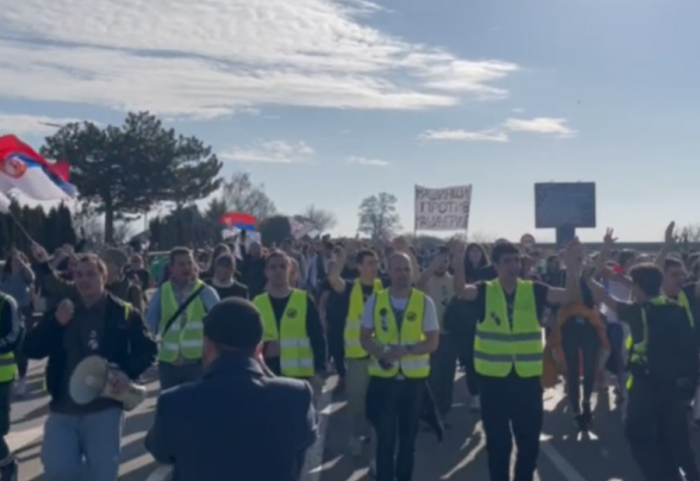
234, 324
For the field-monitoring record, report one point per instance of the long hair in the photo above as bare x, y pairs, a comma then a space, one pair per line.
471, 270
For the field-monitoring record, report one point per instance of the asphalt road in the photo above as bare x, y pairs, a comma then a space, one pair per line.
565, 454
603, 456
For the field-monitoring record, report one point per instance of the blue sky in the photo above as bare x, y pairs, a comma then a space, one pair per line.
328, 102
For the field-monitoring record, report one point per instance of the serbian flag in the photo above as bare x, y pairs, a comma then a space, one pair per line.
238, 220
23, 169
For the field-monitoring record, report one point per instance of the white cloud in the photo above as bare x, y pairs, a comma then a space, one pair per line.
540, 125
464, 136
274, 151
31, 124
208, 58
366, 161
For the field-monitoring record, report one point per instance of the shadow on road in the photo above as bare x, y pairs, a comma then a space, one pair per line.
459, 456
599, 455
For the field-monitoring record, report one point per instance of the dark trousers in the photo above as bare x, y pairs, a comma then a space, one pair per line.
579, 338
443, 364
336, 347
396, 425
511, 407
5, 403
657, 431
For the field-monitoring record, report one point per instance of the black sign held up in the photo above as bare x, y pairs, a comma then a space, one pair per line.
565, 204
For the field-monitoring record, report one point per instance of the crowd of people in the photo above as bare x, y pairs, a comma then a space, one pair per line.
261, 328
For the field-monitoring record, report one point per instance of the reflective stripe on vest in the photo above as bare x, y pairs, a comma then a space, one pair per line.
387, 333
353, 349
296, 355
180, 340
638, 351
7, 360
498, 346
685, 304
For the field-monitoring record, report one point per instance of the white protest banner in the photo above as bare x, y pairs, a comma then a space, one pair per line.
442, 209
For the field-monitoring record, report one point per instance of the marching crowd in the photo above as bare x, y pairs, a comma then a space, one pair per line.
244, 336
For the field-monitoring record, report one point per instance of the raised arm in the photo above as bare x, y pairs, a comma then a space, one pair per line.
572, 290
669, 242
335, 267
468, 292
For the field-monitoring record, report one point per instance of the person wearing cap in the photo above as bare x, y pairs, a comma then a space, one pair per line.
267, 434
295, 344
175, 314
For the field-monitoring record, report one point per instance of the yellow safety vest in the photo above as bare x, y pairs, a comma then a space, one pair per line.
353, 349
387, 333
296, 355
498, 346
7, 360
638, 350
185, 340
682, 301
685, 304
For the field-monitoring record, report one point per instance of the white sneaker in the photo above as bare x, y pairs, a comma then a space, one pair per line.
475, 404
21, 388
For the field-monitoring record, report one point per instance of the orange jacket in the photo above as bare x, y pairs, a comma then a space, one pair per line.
554, 362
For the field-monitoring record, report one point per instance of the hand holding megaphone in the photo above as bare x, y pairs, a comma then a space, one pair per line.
65, 311
118, 382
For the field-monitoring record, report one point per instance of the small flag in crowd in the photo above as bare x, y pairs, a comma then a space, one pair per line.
23, 169
232, 223
301, 226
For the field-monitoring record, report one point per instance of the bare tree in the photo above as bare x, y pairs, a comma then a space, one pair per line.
322, 219
690, 234
89, 224
240, 194
378, 216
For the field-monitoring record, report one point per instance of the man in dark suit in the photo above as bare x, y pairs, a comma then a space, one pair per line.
238, 422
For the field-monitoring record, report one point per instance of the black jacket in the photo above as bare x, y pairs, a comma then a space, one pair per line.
238, 422
127, 343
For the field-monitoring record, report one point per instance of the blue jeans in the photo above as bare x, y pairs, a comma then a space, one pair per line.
96, 437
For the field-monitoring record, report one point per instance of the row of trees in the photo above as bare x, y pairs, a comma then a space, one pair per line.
51, 229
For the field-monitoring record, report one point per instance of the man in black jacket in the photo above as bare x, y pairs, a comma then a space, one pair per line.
254, 427
94, 323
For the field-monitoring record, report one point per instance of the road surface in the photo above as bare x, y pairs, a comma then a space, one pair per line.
564, 456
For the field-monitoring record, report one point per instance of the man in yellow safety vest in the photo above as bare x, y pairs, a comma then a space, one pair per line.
508, 351
175, 314
294, 343
353, 295
399, 329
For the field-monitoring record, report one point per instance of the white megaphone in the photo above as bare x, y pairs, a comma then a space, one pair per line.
90, 380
